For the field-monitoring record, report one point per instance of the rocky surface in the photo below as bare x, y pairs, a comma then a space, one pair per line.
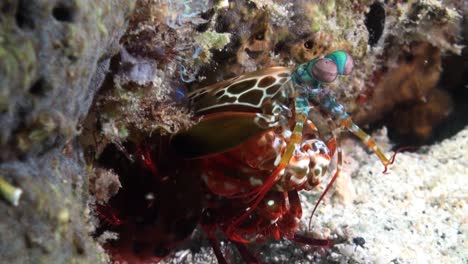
53, 55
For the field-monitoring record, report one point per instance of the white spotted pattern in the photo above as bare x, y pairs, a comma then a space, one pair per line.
220, 93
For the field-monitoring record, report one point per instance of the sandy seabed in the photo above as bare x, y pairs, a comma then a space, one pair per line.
414, 214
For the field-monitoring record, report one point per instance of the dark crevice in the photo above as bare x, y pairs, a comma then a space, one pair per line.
64, 13
130, 210
25, 14
6, 8
207, 15
457, 119
375, 22
40, 87
160, 251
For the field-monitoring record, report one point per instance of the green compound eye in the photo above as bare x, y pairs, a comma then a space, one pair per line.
343, 60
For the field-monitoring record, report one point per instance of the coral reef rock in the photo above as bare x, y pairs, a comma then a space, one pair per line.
53, 56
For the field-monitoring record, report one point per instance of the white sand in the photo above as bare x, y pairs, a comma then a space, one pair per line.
415, 214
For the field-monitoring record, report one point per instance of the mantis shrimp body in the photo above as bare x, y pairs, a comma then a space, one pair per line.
239, 170
258, 147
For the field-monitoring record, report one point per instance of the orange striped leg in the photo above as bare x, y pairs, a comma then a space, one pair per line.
295, 140
368, 141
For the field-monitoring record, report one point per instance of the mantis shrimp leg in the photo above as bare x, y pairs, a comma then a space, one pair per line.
328, 103
302, 111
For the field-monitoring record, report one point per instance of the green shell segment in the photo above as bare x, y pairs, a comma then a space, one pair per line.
340, 58
301, 75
